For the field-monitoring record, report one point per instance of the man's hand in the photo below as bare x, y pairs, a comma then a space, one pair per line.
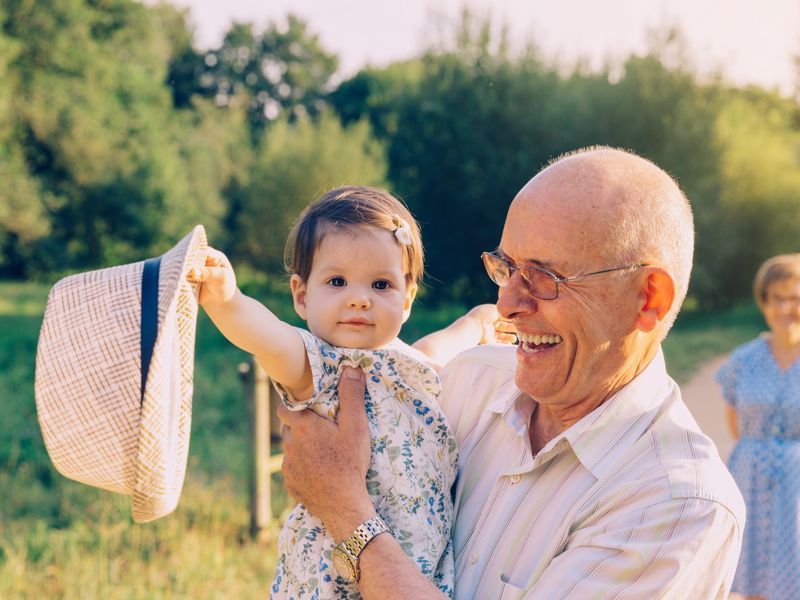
494, 328
325, 463
217, 279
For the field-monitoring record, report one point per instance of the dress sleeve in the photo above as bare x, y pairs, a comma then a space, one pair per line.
315, 350
726, 377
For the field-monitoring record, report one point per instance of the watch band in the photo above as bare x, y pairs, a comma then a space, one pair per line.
363, 535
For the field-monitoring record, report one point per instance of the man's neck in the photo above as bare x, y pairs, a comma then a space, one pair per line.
542, 428
549, 421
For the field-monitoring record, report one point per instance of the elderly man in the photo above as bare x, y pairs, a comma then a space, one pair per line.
582, 474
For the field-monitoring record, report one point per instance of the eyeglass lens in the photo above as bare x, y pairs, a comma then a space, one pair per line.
539, 283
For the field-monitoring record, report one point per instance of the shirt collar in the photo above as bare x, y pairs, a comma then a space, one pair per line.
605, 433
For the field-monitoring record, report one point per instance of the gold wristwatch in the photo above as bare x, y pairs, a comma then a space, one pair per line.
345, 554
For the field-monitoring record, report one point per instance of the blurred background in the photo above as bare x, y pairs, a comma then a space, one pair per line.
123, 124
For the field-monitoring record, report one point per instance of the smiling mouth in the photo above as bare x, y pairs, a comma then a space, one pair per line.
531, 344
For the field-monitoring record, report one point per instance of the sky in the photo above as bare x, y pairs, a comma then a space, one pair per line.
749, 41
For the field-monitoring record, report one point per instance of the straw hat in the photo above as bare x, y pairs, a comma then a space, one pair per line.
114, 376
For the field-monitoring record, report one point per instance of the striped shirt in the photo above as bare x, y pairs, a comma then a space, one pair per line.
632, 501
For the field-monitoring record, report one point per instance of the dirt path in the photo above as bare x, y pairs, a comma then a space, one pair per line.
703, 396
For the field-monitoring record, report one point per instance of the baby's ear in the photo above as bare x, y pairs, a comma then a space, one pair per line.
411, 293
298, 287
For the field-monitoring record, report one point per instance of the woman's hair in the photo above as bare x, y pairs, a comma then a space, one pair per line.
777, 268
347, 208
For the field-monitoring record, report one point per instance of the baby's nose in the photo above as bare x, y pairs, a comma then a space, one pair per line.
358, 302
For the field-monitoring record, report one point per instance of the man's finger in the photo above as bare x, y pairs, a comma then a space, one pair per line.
284, 414
505, 338
504, 326
352, 411
295, 418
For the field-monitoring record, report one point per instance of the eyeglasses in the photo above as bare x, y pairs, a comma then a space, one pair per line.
540, 283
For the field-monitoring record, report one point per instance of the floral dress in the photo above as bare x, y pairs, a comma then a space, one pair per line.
410, 478
766, 466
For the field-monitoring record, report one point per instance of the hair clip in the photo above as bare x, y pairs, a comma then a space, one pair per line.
402, 231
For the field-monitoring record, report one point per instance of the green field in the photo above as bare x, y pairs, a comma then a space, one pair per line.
60, 539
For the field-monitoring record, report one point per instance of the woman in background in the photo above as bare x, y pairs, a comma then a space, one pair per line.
761, 386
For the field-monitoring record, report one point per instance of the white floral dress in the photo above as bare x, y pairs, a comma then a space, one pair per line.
410, 477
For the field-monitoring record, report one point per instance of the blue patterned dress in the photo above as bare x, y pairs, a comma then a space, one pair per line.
410, 477
766, 466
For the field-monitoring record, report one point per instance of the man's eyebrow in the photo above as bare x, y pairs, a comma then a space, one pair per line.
530, 261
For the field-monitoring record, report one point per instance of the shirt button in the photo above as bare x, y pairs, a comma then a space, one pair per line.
515, 478
473, 558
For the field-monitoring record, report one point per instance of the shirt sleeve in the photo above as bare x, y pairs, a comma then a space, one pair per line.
680, 548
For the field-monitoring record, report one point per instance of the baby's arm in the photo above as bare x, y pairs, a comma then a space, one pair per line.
481, 325
251, 326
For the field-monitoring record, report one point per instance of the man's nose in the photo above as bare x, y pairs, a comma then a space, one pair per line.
515, 299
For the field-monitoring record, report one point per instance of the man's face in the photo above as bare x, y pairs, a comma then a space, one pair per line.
594, 317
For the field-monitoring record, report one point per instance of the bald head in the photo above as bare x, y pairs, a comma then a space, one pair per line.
630, 210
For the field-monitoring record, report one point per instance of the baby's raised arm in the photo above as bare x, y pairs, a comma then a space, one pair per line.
251, 326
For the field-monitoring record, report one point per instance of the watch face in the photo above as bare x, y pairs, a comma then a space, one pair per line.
342, 565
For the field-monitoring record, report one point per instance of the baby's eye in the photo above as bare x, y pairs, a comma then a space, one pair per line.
337, 282
381, 284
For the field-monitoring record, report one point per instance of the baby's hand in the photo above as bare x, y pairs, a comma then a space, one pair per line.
217, 279
495, 329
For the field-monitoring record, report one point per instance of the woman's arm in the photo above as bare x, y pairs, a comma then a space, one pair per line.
481, 325
251, 326
733, 421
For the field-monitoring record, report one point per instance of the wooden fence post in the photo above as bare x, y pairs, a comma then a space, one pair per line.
257, 399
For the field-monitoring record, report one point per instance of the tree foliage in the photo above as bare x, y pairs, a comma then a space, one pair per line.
282, 71
117, 135
118, 174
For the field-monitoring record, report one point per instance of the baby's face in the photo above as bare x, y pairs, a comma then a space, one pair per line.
356, 295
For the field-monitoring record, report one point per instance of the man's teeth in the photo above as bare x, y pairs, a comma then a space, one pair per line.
525, 338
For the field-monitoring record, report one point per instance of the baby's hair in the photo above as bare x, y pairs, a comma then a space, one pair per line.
347, 208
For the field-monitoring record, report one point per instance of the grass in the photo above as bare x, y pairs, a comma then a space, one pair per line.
61, 539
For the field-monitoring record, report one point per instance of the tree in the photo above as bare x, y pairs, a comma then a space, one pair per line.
756, 213
96, 130
283, 71
376, 94
23, 218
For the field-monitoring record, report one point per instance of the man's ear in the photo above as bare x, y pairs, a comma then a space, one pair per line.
411, 293
657, 295
298, 287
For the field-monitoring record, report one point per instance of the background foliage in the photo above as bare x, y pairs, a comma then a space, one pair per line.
116, 135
